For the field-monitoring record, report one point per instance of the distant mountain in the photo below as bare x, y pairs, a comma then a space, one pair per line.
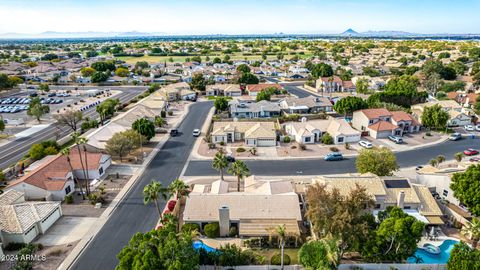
349, 32
387, 34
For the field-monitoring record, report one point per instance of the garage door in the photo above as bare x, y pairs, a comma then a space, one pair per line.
266, 142
48, 221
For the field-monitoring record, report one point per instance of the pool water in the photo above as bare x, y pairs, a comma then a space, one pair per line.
445, 248
200, 245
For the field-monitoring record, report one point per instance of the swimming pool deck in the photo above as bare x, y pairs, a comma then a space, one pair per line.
217, 243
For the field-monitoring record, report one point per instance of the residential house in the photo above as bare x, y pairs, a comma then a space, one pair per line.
254, 211
252, 133
261, 109
254, 89
447, 105
179, 91
467, 100
311, 131
381, 123
458, 119
229, 90
21, 221
415, 200
306, 105
334, 84
53, 179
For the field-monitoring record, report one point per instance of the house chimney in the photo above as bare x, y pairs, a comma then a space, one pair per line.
224, 220
401, 199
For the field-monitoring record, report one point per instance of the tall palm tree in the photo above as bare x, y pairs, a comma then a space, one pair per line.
84, 141
472, 230
151, 193
179, 188
281, 232
66, 152
78, 141
240, 170
220, 162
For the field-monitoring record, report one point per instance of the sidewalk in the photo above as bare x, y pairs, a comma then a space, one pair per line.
97, 226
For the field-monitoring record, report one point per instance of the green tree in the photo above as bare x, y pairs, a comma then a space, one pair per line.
87, 71
472, 230
379, 161
465, 186
432, 83
160, 121
322, 70
36, 152
119, 145
240, 170
458, 156
362, 86
107, 108
198, 82
221, 104
281, 233
340, 216
99, 77
82, 141
2, 125
248, 78
463, 257
152, 193
348, 105
103, 66
37, 109
145, 127
220, 162
327, 139
263, 95
179, 188
395, 238
44, 87
435, 117
243, 68
320, 255
433, 162
122, 72
66, 153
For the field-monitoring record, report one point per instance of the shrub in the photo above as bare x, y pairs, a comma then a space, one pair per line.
428, 134
95, 198
327, 139
253, 151
211, 146
334, 149
14, 246
240, 150
69, 199
302, 147
287, 139
222, 143
212, 230
293, 147
171, 205
277, 259
189, 227
170, 112
163, 114
232, 232
347, 146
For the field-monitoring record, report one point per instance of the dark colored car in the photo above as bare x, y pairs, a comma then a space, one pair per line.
334, 156
230, 159
174, 132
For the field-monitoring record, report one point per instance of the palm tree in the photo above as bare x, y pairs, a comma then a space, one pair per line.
472, 230
240, 170
78, 141
151, 193
281, 232
220, 162
179, 188
66, 152
84, 141
440, 158
433, 162
458, 156
332, 252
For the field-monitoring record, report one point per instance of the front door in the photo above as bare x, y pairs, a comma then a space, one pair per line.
229, 137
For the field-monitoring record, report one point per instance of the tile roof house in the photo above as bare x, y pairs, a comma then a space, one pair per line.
334, 84
254, 89
254, 211
252, 133
53, 179
306, 105
229, 90
21, 221
311, 131
381, 123
415, 200
459, 116
178, 91
261, 109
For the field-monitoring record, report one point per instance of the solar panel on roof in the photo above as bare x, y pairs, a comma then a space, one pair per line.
401, 183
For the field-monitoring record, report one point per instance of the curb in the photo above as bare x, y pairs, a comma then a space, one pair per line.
83, 244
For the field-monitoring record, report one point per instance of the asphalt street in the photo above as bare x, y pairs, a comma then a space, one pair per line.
132, 215
318, 166
17, 148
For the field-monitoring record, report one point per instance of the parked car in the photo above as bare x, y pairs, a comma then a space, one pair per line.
477, 127
230, 159
455, 137
470, 152
395, 139
174, 132
419, 167
474, 159
196, 132
469, 128
365, 144
334, 156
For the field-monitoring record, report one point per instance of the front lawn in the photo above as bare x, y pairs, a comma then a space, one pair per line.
268, 253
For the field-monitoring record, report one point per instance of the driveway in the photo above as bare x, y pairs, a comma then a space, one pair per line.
66, 230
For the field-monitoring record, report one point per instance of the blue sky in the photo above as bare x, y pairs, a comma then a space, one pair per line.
239, 17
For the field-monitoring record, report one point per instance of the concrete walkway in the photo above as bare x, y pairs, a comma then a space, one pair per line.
66, 230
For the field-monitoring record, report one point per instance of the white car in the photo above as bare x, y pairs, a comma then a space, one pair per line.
469, 128
365, 144
196, 132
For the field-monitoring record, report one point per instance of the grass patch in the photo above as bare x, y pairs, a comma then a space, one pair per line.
268, 254
214, 97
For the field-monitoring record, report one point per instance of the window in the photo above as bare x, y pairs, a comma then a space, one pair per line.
407, 207
307, 139
445, 193
370, 122
340, 139
387, 119
68, 190
377, 206
100, 171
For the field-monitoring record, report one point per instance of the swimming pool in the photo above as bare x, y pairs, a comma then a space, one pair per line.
200, 245
445, 249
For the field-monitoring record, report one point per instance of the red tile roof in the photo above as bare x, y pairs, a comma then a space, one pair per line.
376, 113
382, 126
403, 116
262, 86
52, 175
